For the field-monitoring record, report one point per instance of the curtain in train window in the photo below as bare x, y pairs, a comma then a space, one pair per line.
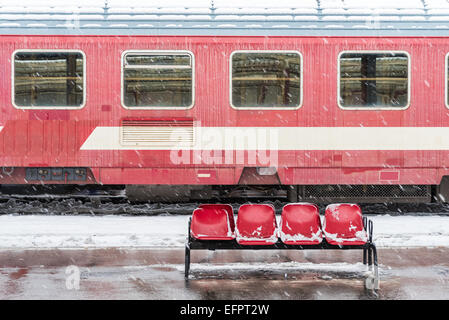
48, 79
266, 79
374, 80
158, 80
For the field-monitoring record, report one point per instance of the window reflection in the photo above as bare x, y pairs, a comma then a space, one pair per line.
48, 79
373, 80
266, 79
157, 80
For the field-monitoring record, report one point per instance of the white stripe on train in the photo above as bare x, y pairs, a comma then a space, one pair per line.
284, 138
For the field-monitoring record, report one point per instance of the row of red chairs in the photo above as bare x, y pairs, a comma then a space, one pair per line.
300, 224
212, 227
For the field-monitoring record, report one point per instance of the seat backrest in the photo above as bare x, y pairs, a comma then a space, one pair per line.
344, 222
226, 207
211, 224
300, 224
256, 222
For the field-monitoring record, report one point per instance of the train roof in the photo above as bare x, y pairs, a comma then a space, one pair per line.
226, 17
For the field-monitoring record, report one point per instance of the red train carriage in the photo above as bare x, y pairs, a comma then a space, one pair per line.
321, 99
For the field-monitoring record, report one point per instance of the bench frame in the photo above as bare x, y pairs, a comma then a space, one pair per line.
369, 250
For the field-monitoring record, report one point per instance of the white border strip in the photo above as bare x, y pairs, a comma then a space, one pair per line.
446, 95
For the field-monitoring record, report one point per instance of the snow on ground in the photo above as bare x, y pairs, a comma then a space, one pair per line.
292, 266
47, 231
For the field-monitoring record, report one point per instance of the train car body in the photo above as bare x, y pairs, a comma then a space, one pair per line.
313, 146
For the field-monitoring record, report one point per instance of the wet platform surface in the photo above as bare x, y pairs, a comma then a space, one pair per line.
406, 273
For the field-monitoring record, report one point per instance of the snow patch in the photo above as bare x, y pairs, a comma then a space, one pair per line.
316, 236
278, 266
45, 231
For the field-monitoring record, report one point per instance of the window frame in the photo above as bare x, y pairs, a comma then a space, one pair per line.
13, 92
301, 98
446, 79
387, 108
155, 52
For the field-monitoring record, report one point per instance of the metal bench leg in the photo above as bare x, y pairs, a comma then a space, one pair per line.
372, 280
370, 257
187, 262
364, 255
187, 254
376, 267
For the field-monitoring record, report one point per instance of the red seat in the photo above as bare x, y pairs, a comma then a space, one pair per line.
300, 224
226, 207
256, 225
211, 223
343, 225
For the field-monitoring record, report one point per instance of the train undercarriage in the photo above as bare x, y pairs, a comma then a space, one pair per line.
80, 182
188, 193
290, 193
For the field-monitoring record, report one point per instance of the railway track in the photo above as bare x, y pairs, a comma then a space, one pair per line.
78, 204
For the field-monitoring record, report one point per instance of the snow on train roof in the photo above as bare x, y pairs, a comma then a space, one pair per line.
226, 17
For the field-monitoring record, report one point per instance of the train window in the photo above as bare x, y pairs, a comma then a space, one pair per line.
48, 79
158, 80
374, 80
266, 79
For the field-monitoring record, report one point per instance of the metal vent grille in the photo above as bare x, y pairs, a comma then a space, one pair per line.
157, 133
366, 193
